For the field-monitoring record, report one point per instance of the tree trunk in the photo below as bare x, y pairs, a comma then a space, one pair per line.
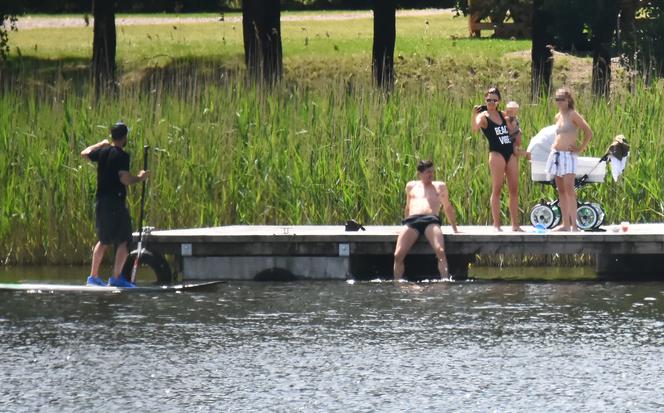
385, 34
541, 54
606, 18
103, 45
627, 22
261, 29
627, 39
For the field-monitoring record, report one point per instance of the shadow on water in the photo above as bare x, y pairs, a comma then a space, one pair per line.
62, 274
75, 274
533, 273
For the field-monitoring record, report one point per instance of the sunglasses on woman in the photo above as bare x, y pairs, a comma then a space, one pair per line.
491, 100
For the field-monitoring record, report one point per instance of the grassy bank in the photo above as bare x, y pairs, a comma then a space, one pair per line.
430, 49
319, 149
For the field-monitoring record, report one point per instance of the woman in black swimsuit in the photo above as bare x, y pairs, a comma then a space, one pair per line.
502, 160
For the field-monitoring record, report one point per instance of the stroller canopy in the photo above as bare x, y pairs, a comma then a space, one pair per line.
540, 145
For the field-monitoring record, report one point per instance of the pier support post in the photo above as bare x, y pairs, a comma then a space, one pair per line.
629, 267
459, 264
418, 266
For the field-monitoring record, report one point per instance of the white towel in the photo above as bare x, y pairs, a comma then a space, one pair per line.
617, 166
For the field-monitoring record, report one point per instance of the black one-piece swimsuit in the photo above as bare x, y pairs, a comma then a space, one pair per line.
499, 137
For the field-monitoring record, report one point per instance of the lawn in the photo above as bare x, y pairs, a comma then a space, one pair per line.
426, 45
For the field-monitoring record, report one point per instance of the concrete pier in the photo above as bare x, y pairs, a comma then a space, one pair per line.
243, 252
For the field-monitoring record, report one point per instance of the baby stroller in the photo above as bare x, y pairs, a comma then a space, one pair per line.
589, 215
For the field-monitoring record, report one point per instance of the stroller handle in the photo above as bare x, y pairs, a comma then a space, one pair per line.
579, 182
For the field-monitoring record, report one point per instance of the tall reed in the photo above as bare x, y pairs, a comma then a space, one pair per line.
228, 153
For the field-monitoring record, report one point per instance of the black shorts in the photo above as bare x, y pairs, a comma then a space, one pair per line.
113, 221
420, 222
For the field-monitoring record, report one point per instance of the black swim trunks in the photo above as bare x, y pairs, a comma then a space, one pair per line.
420, 222
113, 221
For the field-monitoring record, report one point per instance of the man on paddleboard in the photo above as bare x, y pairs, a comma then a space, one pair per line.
112, 218
424, 199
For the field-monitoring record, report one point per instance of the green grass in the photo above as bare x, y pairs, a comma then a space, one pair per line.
320, 148
140, 46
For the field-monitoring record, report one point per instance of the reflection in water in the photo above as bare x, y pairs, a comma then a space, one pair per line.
312, 346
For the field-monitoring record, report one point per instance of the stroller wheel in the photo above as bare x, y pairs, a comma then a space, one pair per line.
556, 214
600, 213
587, 217
545, 215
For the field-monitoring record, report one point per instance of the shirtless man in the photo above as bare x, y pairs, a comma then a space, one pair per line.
424, 198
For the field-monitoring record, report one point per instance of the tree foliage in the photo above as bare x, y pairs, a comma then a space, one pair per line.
184, 6
643, 51
8, 13
7, 23
496, 10
567, 27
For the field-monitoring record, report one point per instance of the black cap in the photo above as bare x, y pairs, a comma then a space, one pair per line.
119, 130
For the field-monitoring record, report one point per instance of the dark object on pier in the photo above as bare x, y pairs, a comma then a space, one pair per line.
352, 225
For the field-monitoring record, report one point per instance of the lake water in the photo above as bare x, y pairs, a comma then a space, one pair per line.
335, 346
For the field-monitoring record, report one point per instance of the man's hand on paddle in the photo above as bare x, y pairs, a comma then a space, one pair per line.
128, 179
143, 175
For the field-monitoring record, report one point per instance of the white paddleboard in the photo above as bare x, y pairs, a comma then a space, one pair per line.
49, 288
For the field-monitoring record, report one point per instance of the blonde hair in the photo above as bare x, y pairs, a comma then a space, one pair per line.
568, 95
512, 105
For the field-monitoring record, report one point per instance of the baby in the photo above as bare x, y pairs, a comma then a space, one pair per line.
512, 119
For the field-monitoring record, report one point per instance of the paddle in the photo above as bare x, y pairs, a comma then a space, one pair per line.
134, 268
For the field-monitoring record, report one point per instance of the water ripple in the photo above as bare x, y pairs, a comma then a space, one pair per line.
338, 347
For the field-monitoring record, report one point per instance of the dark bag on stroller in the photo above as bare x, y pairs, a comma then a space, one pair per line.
619, 147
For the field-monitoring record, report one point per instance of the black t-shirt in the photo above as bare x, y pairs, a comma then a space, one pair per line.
110, 161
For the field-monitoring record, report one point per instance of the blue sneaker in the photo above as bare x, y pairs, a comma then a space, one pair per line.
120, 281
92, 280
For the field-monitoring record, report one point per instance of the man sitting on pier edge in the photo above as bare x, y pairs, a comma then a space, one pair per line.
424, 198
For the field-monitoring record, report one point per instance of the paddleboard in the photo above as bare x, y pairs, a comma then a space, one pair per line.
51, 288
